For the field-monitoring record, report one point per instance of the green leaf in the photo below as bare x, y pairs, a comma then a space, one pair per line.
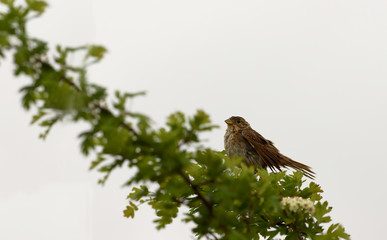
166, 211
129, 211
138, 193
97, 162
176, 120
312, 192
37, 5
96, 51
8, 2
321, 210
334, 232
38, 116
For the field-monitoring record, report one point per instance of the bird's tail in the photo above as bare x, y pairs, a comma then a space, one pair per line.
288, 162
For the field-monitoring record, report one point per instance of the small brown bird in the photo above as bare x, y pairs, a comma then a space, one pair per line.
242, 141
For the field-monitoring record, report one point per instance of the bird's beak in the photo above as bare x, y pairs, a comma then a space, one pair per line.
228, 121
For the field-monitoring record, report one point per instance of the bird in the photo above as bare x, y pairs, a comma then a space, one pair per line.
240, 140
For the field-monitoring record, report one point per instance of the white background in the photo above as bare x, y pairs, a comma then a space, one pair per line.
309, 75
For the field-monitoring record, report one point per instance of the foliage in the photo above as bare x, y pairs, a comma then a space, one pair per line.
226, 199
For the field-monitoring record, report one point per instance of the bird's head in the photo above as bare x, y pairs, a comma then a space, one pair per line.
236, 122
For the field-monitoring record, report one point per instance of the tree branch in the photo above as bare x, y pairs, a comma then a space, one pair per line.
98, 106
197, 192
71, 83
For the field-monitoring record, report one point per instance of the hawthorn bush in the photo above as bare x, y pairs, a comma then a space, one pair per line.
225, 199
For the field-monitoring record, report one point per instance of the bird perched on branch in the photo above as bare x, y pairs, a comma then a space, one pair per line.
242, 141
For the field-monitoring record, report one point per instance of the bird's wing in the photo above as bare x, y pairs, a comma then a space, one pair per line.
271, 155
265, 148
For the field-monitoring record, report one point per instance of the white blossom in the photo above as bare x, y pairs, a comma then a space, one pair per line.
295, 204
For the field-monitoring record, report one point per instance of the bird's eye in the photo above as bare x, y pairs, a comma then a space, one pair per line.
238, 121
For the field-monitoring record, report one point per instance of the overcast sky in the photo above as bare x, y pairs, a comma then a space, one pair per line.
309, 75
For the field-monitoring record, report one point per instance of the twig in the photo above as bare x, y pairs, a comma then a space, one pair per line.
122, 124
197, 192
68, 81
98, 106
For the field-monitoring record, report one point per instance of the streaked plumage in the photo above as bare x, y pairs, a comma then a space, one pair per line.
243, 141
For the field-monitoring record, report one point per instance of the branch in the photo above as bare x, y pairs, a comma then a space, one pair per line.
197, 192
205, 202
98, 106
122, 123
71, 83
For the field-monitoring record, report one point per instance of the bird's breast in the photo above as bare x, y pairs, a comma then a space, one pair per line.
234, 144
